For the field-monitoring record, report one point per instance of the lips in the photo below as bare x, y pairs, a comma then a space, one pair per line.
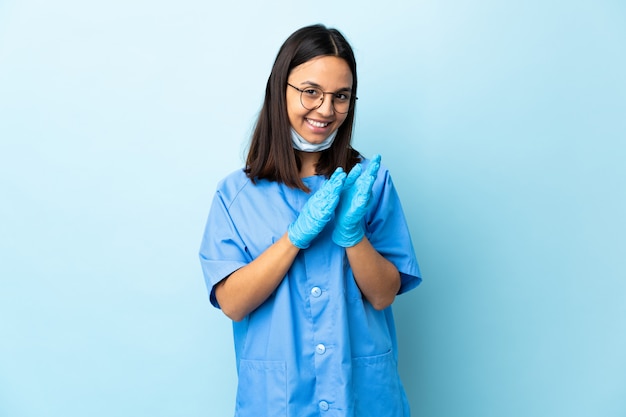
315, 123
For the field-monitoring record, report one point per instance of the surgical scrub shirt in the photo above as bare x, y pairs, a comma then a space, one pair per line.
315, 347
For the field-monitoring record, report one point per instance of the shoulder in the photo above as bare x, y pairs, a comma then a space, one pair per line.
230, 186
238, 189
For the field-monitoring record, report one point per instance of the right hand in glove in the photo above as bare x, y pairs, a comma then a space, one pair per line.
354, 202
317, 211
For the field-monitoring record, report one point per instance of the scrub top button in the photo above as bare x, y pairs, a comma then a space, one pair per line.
320, 349
316, 291
323, 405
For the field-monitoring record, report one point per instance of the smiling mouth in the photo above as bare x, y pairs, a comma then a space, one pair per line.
317, 124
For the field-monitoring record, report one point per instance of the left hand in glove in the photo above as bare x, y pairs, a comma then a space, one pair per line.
355, 197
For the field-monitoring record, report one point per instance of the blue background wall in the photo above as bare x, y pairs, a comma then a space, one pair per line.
503, 124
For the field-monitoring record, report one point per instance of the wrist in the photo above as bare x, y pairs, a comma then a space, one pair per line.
348, 237
296, 238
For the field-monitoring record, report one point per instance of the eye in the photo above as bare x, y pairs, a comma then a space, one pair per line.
342, 96
311, 92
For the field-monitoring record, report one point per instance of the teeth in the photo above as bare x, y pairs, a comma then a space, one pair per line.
317, 124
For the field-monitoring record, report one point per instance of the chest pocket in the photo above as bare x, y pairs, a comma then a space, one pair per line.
261, 389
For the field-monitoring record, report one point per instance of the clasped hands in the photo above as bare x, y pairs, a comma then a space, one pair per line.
347, 196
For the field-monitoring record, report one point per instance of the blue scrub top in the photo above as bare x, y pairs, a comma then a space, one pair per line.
315, 347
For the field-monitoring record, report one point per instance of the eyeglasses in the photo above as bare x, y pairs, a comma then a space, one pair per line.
312, 98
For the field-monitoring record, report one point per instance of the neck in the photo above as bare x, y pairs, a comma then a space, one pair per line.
308, 160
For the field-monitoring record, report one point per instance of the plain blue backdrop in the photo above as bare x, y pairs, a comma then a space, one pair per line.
503, 124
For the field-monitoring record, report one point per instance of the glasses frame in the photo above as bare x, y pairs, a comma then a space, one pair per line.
350, 104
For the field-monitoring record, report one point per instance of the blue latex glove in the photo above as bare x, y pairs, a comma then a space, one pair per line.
317, 211
355, 197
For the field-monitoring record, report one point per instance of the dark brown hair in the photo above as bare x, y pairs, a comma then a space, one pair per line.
271, 155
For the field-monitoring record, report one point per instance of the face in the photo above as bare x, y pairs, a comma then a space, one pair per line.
330, 74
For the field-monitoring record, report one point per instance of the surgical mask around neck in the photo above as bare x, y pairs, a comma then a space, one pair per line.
301, 144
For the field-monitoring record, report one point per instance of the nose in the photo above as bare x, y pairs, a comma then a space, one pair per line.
327, 108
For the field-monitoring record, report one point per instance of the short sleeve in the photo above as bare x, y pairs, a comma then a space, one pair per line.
222, 250
388, 231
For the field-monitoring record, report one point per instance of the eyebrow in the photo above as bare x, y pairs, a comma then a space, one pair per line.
312, 84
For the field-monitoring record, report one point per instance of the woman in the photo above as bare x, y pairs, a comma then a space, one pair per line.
305, 258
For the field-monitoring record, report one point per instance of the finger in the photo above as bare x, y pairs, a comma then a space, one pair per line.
352, 176
328, 194
338, 174
333, 183
363, 187
336, 181
374, 165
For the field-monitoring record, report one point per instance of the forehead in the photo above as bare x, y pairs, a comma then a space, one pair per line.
327, 71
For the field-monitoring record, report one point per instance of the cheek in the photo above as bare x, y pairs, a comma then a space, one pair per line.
294, 110
341, 119
293, 115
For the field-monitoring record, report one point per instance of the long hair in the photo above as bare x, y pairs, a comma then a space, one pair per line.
271, 155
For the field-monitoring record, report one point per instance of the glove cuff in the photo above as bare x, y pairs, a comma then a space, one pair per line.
348, 237
292, 234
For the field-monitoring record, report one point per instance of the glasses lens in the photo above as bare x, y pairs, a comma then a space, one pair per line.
341, 101
312, 98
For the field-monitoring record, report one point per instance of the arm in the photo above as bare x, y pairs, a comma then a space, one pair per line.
377, 278
247, 288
